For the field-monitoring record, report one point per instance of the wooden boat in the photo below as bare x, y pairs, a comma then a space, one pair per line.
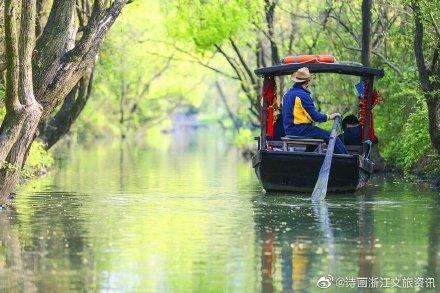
286, 166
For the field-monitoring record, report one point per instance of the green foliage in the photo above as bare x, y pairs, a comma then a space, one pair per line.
138, 80
415, 136
39, 160
210, 23
245, 139
9, 167
97, 125
411, 142
401, 121
2, 112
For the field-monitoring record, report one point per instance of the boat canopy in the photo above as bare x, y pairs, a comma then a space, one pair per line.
341, 68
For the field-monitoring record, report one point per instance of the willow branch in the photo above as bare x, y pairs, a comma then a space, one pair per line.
242, 61
382, 57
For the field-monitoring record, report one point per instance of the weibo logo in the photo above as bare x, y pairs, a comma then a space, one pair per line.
324, 282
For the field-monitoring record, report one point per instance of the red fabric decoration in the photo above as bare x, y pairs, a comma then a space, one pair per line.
363, 111
268, 92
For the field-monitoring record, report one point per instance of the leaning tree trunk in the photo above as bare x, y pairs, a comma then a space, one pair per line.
70, 110
9, 176
19, 89
9, 132
57, 69
14, 117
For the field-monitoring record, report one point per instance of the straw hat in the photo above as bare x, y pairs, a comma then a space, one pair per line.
302, 75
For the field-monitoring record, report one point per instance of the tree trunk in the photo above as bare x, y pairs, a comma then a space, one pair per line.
270, 6
73, 104
54, 42
9, 176
429, 77
14, 117
21, 80
9, 132
366, 33
434, 120
58, 67
121, 106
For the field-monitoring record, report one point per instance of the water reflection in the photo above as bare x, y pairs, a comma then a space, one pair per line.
190, 216
34, 243
432, 269
349, 237
285, 229
11, 261
366, 238
320, 212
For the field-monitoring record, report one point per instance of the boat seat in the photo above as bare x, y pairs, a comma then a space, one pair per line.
275, 143
302, 140
354, 149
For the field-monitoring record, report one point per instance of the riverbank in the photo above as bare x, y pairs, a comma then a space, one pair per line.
426, 168
39, 163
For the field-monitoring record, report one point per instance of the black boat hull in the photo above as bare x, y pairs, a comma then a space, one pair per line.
298, 172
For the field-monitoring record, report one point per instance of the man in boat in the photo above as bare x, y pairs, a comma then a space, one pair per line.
299, 112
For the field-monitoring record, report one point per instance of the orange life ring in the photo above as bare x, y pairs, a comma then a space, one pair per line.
309, 59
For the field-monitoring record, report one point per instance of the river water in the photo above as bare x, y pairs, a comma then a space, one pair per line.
185, 213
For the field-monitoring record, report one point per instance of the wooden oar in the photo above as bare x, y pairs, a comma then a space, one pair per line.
320, 189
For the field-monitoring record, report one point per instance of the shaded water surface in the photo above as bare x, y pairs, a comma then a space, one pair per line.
187, 214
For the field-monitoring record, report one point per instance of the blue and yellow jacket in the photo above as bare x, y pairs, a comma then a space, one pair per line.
299, 110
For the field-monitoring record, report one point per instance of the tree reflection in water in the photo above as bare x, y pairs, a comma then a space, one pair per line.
33, 248
16, 277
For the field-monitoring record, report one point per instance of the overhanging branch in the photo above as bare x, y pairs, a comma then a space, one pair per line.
382, 57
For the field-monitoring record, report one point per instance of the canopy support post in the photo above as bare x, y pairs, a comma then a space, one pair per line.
263, 138
366, 129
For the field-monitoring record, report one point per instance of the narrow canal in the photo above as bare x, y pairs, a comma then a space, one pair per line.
185, 213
